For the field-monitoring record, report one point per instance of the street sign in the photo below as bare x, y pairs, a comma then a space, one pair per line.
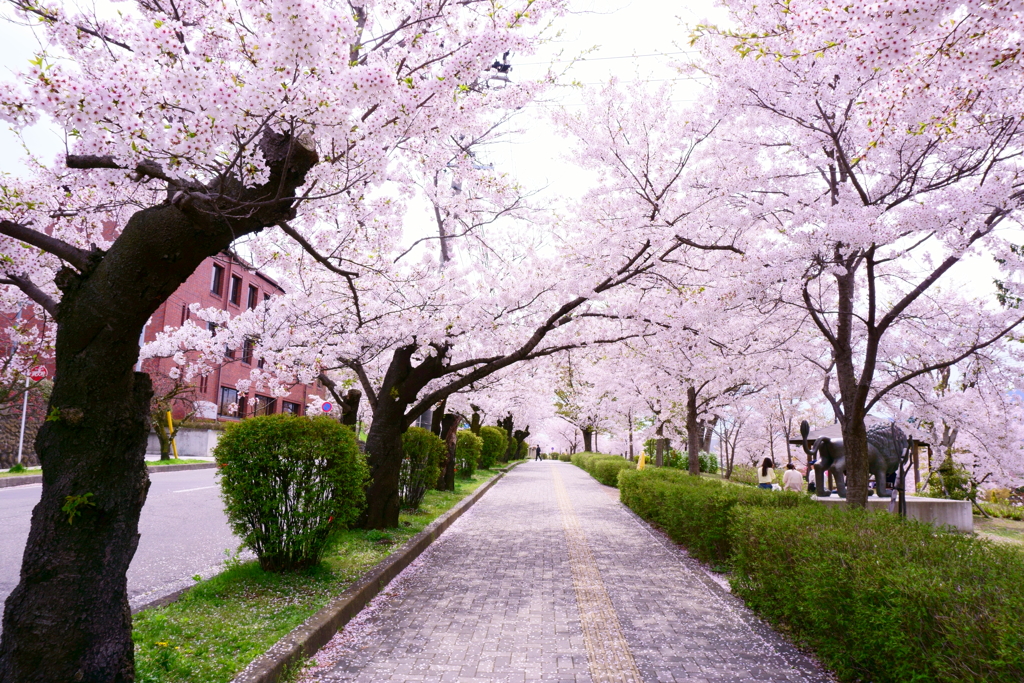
38, 373
326, 407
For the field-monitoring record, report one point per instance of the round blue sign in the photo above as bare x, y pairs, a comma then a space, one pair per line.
326, 407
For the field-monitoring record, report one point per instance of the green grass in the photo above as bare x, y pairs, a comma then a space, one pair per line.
27, 472
179, 461
222, 624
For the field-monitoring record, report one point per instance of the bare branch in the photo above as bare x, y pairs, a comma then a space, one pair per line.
146, 168
309, 249
33, 292
79, 258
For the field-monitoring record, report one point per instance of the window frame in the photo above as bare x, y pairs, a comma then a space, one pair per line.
217, 284
235, 290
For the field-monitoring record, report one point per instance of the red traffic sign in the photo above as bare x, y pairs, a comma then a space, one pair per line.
38, 373
326, 407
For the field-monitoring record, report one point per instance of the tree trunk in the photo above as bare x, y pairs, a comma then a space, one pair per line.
384, 456
852, 394
659, 446
631, 455
587, 435
437, 416
350, 408
508, 424
692, 435
68, 618
474, 423
450, 434
162, 438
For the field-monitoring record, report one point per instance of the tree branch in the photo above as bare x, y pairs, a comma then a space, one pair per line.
309, 249
146, 168
79, 258
33, 292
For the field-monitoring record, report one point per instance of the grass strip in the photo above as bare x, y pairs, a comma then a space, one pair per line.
180, 461
222, 624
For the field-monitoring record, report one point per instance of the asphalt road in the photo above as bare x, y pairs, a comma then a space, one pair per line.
184, 533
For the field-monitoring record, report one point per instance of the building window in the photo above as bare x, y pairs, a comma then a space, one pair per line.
289, 407
204, 384
254, 296
247, 347
266, 297
236, 290
264, 406
217, 286
423, 421
184, 313
227, 397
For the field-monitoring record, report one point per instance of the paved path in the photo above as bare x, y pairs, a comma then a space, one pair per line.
548, 577
183, 532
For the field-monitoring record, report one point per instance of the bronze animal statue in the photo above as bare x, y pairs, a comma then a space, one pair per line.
886, 444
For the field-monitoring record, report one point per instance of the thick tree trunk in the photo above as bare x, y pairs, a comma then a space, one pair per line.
68, 619
450, 434
350, 408
692, 434
384, 456
588, 434
853, 395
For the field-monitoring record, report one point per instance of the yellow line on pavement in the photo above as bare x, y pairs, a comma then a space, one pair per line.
607, 651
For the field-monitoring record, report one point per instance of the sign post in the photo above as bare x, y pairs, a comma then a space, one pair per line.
36, 374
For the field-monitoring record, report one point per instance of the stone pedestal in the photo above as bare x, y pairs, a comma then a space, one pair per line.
937, 511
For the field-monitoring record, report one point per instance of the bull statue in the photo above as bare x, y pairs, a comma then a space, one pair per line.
886, 445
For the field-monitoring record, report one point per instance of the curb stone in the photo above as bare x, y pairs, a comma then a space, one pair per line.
7, 482
311, 635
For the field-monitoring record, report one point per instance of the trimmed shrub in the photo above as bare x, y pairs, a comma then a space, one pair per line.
421, 465
880, 598
467, 453
708, 462
605, 468
694, 511
565, 457
524, 448
287, 482
495, 443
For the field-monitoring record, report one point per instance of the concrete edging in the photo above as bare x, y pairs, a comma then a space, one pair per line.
311, 635
6, 482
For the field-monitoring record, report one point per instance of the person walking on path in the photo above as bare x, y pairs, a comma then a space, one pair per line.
766, 475
791, 479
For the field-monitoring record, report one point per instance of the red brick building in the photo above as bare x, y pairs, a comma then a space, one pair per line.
226, 282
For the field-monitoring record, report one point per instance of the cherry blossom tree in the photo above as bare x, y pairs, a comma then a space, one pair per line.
189, 126
887, 156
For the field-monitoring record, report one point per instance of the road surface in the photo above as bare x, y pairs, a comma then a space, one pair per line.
184, 533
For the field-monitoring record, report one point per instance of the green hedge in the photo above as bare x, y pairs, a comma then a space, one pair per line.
468, 447
422, 452
495, 443
694, 511
287, 482
564, 457
880, 598
604, 468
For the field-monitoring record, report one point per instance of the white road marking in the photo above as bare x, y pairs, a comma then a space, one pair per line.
200, 488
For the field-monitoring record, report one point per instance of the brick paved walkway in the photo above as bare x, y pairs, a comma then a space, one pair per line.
548, 577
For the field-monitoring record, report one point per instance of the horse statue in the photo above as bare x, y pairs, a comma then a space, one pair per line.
886, 445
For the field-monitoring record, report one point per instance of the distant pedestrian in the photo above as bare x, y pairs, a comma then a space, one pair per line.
791, 479
766, 475
811, 479
537, 457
